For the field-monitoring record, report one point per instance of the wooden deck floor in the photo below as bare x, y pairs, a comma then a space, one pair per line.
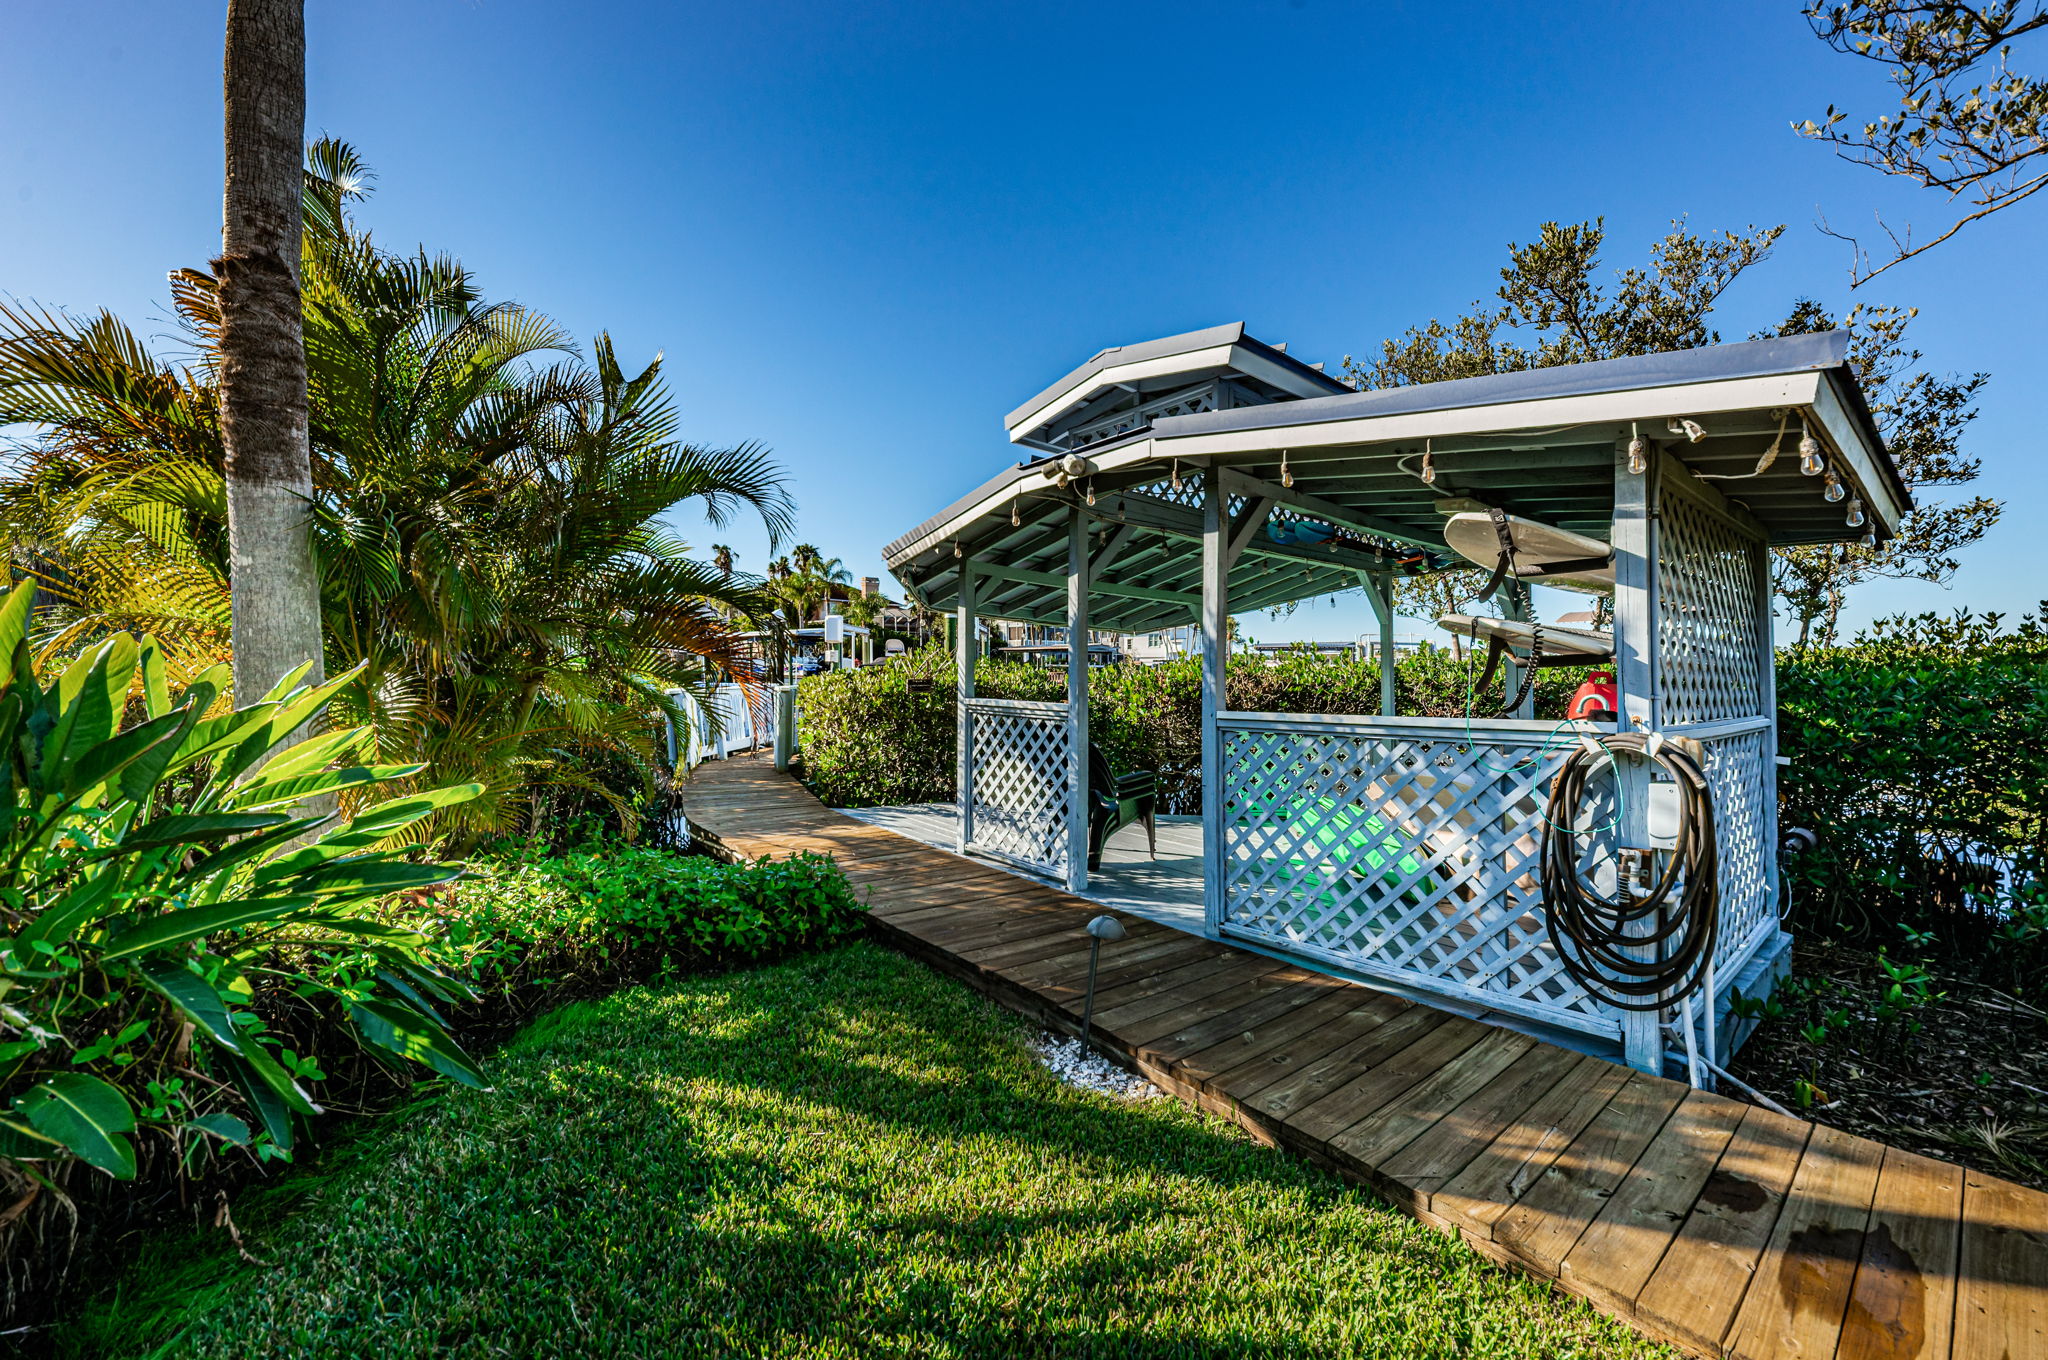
1716, 1225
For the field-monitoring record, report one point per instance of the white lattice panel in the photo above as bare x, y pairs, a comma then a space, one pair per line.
1020, 781
1413, 854
1709, 658
1739, 774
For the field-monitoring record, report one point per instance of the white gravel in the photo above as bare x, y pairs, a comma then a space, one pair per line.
1062, 1057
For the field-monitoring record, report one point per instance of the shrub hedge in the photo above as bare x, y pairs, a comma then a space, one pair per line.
1920, 759
522, 931
872, 737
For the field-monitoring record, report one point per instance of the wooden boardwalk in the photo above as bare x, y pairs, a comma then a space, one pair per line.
1716, 1225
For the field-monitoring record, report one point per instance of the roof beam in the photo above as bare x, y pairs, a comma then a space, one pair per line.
1047, 578
1234, 482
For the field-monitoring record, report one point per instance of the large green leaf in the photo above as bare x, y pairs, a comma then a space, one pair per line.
249, 847
194, 996
87, 1116
14, 616
368, 828
370, 877
184, 829
156, 683
196, 923
406, 1033
300, 787
89, 897
315, 753
89, 697
117, 754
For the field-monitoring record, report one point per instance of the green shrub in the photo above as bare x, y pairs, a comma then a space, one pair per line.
165, 878
634, 912
1919, 755
868, 739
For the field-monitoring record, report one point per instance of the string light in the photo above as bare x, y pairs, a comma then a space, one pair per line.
1869, 539
1176, 476
1091, 491
1638, 452
1810, 461
1855, 518
1832, 489
1286, 476
958, 551
1428, 463
1015, 518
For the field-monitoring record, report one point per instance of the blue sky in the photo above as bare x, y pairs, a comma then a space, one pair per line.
860, 233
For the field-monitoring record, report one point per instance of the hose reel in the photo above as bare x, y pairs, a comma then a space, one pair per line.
1634, 951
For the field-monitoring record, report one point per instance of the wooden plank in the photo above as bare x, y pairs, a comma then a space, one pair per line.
1225, 980
2002, 1287
1541, 1228
1619, 1250
1495, 1180
1193, 1034
1193, 1010
1010, 959
1144, 981
1274, 1100
1698, 1286
1389, 1076
1119, 965
1339, 1014
1795, 1303
1391, 1128
1444, 1149
1902, 1305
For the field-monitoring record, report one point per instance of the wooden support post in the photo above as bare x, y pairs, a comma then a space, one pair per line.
1379, 589
963, 719
1215, 663
1635, 670
1077, 700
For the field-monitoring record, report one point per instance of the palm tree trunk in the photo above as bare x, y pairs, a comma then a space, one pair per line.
274, 581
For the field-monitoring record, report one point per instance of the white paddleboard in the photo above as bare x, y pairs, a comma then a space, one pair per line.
1537, 546
1558, 640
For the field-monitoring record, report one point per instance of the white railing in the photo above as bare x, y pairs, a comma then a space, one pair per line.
1404, 849
1018, 786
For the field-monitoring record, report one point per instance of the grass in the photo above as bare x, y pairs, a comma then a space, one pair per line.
843, 1155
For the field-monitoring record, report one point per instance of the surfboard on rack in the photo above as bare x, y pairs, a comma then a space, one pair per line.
1543, 554
1562, 646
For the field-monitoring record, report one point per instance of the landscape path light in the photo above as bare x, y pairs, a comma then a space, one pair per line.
1100, 929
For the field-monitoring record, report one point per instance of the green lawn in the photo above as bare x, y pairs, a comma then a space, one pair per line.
845, 1155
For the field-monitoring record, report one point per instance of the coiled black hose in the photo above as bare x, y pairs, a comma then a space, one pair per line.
1597, 938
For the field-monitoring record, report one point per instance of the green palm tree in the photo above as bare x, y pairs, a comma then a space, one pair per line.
488, 525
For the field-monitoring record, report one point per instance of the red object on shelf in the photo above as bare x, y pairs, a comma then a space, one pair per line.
1595, 697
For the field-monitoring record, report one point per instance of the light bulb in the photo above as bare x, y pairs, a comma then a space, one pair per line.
1869, 540
1832, 489
1638, 456
1015, 519
1810, 461
1091, 491
1176, 474
1855, 519
958, 552
1286, 474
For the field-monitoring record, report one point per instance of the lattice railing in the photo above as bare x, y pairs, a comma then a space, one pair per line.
1400, 850
1739, 771
1709, 654
1020, 781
